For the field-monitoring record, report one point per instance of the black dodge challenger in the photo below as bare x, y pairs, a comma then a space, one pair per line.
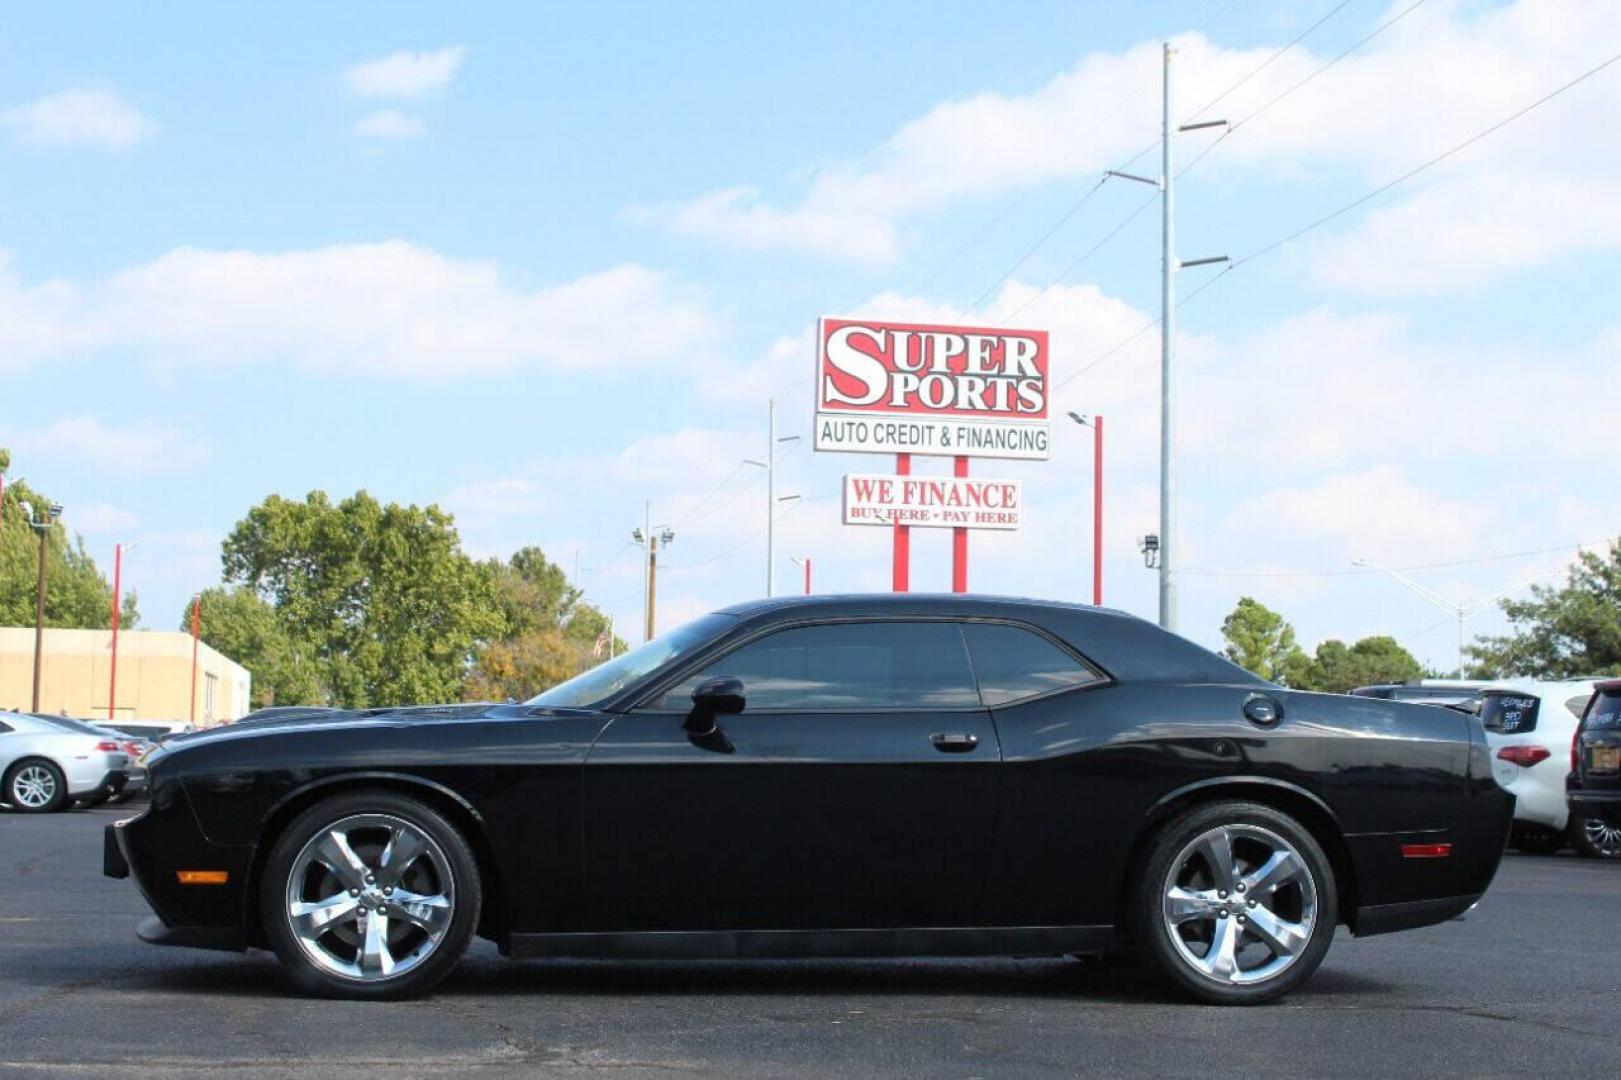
860, 775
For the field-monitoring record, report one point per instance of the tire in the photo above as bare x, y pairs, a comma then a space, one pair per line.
1536, 840
1181, 913
1595, 838
354, 937
36, 786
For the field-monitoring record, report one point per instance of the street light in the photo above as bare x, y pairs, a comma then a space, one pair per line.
1096, 424
1461, 612
806, 563
43, 528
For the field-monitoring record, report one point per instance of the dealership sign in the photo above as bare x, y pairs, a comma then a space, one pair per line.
932, 501
909, 388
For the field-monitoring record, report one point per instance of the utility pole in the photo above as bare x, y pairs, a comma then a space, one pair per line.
1096, 424
112, 677
1169, 265
771, 500
650, 545
196, 633
43, 528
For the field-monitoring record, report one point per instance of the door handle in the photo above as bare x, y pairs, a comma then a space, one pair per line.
954, 742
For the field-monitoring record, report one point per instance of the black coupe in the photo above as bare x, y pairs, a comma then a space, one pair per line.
860, 775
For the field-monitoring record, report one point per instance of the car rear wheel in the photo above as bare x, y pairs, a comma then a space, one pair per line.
1595, 838
370, 895
1237, 903
1536, 840
36, 786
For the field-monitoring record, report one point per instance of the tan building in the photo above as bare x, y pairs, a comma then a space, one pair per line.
154, 675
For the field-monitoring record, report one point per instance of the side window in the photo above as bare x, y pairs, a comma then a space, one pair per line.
864, 665
5, 728
1578, 705
1012, 663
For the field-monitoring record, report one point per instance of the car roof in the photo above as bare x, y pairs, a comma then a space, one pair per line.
949, 604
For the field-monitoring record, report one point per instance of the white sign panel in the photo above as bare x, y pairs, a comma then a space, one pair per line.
945, 502
917, 388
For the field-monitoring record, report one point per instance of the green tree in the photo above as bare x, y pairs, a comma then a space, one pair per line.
381, 598
521, 666
239, 623
77, 596
1564, 630
1261, 642
1337, 667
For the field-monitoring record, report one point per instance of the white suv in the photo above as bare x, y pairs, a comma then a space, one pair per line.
1529, 726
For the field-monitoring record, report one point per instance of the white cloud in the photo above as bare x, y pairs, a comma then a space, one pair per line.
1442, 73
86, 442
390, 309
84, 116
405, 75
96, 519
387, 124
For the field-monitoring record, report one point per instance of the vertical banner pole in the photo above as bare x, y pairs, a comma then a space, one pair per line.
902, 574
1097, 511
112, 676
196, 630
959, 541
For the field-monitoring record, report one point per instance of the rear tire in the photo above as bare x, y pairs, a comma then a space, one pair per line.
36, 786
1536, 840
1236, 904
370, 895
1595, 838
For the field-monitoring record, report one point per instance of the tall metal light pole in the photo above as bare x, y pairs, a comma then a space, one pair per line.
770, 467
43, 528
1096, 424
1169, 265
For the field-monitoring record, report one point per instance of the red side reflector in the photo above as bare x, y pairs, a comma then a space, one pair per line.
202, 877
1425, 851
1524, 756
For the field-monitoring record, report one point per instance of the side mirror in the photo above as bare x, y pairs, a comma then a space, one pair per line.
721, 695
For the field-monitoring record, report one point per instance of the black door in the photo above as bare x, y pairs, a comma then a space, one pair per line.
856, 790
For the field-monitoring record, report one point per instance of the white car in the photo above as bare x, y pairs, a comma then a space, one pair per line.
46, 764
1530, 725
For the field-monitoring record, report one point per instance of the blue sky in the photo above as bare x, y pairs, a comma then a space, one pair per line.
541, 265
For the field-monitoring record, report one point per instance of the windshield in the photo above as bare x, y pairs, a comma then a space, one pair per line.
604, 680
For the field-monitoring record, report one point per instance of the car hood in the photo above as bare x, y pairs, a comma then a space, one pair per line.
388, 716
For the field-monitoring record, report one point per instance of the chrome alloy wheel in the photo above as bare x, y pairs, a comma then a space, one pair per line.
1239, 905
370, 897
1603, 837
34, 786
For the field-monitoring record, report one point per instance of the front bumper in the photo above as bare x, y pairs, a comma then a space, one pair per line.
1604, 805
154, 848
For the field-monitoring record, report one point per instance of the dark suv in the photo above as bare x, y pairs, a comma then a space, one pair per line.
1594, 784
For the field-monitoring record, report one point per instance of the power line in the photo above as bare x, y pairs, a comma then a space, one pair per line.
1264, 64
1033, 248
1431, 163
1085, 255
1363, 571
1348, 207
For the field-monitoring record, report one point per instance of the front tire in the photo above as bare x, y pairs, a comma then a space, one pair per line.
36, 786
1237, 903
1595, 838
370, 895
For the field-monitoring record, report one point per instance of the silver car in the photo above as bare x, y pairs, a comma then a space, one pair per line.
45, 764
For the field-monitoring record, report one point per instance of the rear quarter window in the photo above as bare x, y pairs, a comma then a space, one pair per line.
1012, 663
1604, 713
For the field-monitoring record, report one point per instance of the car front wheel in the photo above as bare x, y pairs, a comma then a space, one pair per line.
370, 895
1237, 903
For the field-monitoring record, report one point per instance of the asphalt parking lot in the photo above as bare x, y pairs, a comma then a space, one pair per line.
1530, 982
